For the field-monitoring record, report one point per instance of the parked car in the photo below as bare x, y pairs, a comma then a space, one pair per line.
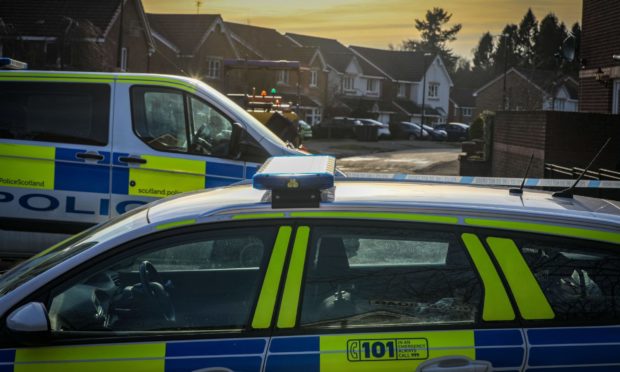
456, 131
383, 129
407, 130
337, 127
305, 130
436, 134
369, 276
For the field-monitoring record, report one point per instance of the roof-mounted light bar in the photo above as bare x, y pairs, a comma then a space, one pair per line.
296, 181
12, 64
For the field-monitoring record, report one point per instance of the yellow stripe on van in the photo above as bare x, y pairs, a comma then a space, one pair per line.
164, 176
127, 357
359, 352
292, 287
530, 298
27, 166
496, 303
161, 82
271, 284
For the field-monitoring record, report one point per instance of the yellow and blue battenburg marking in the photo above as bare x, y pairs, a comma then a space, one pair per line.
243, 354
505, 349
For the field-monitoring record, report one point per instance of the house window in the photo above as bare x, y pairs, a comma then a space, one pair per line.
433, 90
314, 78
347, 83
372, 87
123, 59
402, 90
313, 116
214, 68
282, 77
467, 111
560, 104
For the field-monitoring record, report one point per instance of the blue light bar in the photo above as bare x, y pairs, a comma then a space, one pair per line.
296, 173
12, 64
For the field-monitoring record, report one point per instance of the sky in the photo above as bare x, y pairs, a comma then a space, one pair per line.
374, 23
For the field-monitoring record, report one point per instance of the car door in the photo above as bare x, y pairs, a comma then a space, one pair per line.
373, 295
567, 292
55, 152
191, 298
168, 141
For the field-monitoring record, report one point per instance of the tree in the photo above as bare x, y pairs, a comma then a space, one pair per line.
434, 35
506, 55
549, 40
527, 34
483, 54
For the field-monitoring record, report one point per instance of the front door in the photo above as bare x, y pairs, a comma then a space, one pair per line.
391, 296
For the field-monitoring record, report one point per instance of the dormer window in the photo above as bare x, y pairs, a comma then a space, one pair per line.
433, 90
348, 83
214, 67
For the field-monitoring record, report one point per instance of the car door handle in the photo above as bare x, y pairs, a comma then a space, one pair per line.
454, 364
127, 159
88, 155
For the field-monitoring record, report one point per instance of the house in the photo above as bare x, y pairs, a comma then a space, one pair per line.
354, 86
304, 84
109, 35
404, 74
599, 79
528, 90
462, 106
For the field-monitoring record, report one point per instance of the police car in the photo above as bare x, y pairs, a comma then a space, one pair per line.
302, 271
79, 148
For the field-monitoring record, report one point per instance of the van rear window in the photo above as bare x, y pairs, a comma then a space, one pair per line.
55, 112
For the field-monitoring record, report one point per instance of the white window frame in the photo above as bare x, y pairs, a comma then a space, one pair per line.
348, 87
467, 111
402, 90
372, 87
616, 97
313, 116
432, 91
214, 68
123, 59
282, 77
314, 78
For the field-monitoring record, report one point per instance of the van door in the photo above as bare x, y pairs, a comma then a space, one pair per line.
168, 141
54, 152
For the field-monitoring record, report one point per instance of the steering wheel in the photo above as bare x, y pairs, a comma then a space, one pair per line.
152, 283
201, 143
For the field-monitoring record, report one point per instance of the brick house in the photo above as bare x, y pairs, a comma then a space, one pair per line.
599, 79
462, 106
404, 75
354, 86
77, 37
528, 90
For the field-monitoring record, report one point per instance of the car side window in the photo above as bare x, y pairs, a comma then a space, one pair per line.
159, 118
360, 277
212, 131
198, 281
580, 280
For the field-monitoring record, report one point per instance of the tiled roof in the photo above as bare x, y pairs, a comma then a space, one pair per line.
336, 55
267, 41
185, 31
463, 97
399, 65
52, 17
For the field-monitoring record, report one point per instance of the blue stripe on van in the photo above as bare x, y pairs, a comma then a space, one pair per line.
574, 355
581, 335
250, 171
120, 181
613, 368
226, 170
82, 177
498, 337
7, 356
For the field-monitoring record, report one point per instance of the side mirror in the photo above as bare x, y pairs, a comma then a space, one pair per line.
234, 149
29, 323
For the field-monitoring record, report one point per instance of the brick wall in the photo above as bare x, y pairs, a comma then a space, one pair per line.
564, 138
521, 95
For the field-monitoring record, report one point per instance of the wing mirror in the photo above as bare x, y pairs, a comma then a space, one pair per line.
29, 323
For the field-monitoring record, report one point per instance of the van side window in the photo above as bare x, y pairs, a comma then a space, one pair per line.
55, 112
383, 277
212, 131
159, 118
581, 281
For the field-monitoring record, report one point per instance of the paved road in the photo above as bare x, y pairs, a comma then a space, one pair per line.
421, 157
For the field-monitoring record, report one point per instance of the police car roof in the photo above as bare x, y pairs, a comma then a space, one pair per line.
394, 195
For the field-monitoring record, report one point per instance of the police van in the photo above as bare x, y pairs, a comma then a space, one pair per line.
304, 272
78, 148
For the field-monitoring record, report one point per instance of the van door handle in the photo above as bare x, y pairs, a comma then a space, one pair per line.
454, 364
127, 159
88, 155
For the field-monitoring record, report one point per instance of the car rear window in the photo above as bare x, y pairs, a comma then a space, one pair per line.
55, 112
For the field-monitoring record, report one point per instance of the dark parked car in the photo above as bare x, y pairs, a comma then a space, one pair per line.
407, 130
436, 134
456, 131
337, 127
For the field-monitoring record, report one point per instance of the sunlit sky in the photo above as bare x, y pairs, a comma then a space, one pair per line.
374, 23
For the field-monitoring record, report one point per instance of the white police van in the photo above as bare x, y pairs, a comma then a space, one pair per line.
78, 148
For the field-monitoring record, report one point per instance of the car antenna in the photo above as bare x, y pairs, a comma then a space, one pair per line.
519, 191
569, 192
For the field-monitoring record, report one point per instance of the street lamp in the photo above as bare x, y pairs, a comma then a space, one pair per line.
423, 96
